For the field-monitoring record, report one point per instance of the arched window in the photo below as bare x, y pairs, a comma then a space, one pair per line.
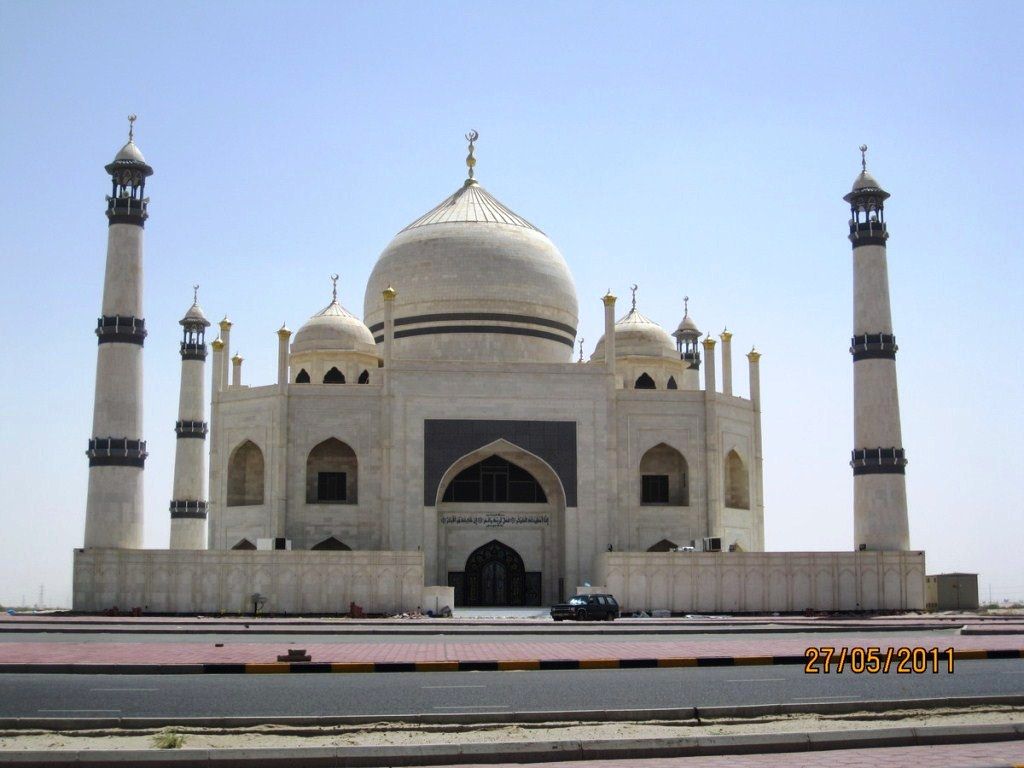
495, 480
664, 477
644, 382
244, 544
737, 482
364, 377
663, 546
334, 376
245, 475
333, 544
672, 383
332, 472
302, 378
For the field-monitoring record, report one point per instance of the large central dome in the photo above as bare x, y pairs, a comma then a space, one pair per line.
475, 282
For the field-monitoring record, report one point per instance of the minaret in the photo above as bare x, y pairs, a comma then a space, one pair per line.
687, 337
117, 452
188, 505
878, 460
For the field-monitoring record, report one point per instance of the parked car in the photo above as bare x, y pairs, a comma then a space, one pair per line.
587, 607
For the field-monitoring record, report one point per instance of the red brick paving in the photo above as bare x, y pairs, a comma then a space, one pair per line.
1005, 754
202, 649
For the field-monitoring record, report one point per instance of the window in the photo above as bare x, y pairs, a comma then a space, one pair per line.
332, 543
495, 480
334, 376
332, 472
644, 382
245, 475
302, 378
364, 377
331, 486
664, 477
672, 383
244, 544
737, 483
665, 545
654, 489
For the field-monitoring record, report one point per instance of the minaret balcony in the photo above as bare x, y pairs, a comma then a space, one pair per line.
189, 428
127, 210
121, 328
868, 233
116, 451
188, 508
873, 346
193, 351
878, 461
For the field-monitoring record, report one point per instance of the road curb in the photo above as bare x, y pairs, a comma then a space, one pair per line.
521, 752
671, 714
507, 665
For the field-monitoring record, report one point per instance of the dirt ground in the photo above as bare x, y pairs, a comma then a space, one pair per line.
405, 734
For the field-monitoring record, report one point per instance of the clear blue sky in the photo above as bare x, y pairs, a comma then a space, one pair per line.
698, 149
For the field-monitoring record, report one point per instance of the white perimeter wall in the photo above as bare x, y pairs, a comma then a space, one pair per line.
725, 582
169, 581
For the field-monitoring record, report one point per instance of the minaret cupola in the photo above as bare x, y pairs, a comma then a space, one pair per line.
687, 337
193, 330
128, 171
867, 207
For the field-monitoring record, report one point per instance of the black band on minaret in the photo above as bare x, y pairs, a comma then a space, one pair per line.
127, 210
868, 233
193, 351
873, 346
121, 328
116, 452
191, 429
878, 461
188, 508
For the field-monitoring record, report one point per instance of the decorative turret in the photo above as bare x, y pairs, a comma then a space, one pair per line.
117, 452
188, 505
687, 337
878, 459
127, 201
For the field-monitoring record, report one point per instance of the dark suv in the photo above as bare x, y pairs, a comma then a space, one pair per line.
584, 607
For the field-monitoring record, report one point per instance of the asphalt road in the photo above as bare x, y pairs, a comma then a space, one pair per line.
25, 695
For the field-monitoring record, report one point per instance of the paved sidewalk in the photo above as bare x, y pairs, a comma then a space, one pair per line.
204, 651
1007, 754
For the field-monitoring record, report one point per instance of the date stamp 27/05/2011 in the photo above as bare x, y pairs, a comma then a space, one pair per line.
905, 660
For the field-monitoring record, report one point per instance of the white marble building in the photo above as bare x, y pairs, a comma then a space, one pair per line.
450, 432
455, 421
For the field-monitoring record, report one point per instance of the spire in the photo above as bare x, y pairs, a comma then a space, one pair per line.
195, 295
863, 158
686, 306
131, 126
633, 288
471, 137
334, 288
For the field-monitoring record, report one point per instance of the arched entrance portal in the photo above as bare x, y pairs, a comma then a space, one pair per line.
495, 575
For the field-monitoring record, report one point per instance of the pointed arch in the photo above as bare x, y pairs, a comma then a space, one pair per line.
495, 480
737, 482
543, 472
495, 575
332, 473
663, 546
333, 544
644, 381
334, 376
245, 475
244, 544
302, 378
364, 377
664, 477
672, 383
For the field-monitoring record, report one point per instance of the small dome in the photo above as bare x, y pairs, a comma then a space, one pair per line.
865, 182
129, 153
195, 316
638, 336
687, 328
334, 329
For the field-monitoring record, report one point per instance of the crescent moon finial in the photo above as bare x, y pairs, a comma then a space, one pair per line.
633, 288
334, 287
471, 137
863, 157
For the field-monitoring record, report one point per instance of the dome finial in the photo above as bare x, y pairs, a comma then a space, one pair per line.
195, 295
633, 288
334, 287
471, 137
581, 349
686, 306
863, 157
131, 126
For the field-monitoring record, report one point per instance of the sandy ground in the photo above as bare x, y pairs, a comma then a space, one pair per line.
271, 736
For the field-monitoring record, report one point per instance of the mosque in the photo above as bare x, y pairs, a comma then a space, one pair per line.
454, 446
